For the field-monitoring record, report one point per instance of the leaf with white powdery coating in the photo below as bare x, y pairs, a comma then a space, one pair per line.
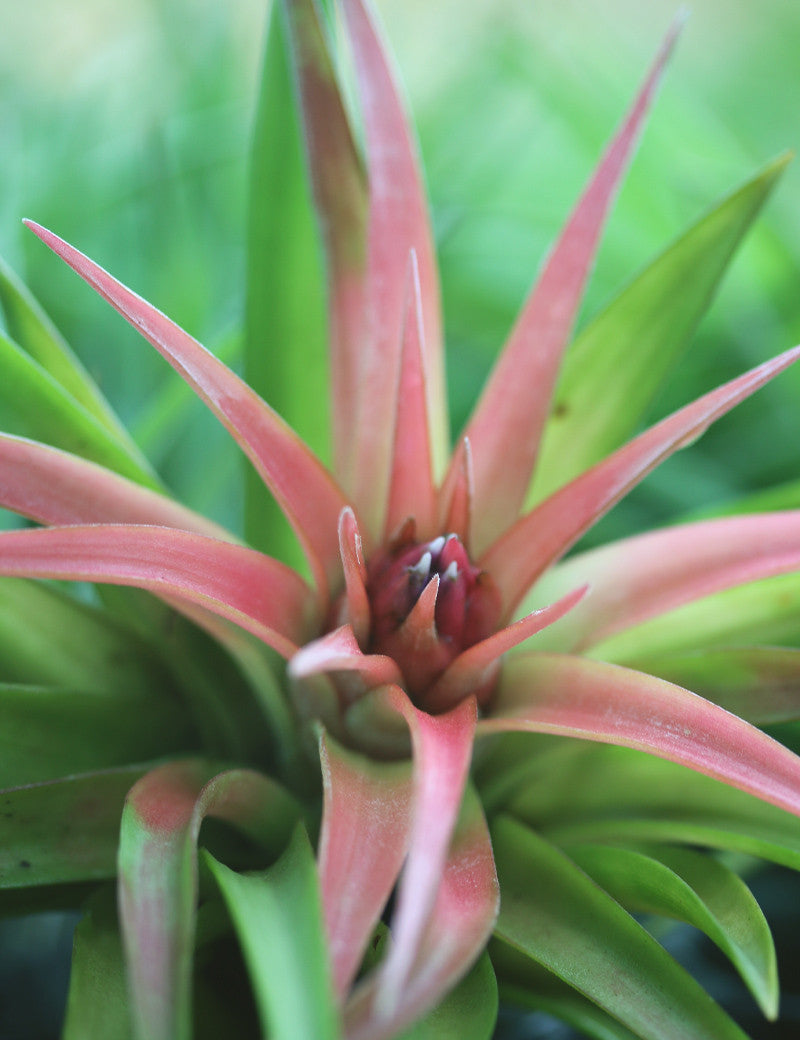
158, 876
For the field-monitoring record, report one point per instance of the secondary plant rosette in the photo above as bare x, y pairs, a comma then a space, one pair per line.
437, 614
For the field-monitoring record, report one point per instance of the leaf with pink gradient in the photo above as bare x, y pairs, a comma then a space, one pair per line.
302, 486
628, 348
55, 487
457, 496
158, 875
537, 539
357, 610
398, 223
338, 651
340, 191
442, 749
509, 418
239, 584
366, 821
592, 700
641, 577
459, 926
411, 490
474, 670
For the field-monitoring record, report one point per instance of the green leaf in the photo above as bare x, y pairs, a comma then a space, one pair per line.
50, 732
278, 917
629, 347
529, 985
63, 831
158, 883
285, 358
469, 1012
698, 890
758, 683
35, 405
609, 794
766, 612
32, 329
557, 916
97, 1004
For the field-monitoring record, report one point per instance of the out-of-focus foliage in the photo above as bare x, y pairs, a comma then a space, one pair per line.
126, 129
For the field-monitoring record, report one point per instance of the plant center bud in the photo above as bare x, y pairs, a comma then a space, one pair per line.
429, 603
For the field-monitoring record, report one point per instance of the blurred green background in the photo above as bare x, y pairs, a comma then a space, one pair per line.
125, 128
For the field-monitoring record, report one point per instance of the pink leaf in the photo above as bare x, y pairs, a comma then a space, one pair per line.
357, 610
459, 928
458, 495
474, 671
258, 593
338, 651
639, 578
442, 748
398, 223
158, 876
508, 420
536, 540
340, 192
365, 826
411, 491
303, 487
55, 487
593, 700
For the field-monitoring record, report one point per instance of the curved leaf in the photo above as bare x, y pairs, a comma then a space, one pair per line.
158, 876
561, 919
55, 487
304, 488
578, 792
699, 890
278, 917
363, 842
638, 578
529, 985
458, 928
239, 584
592, 700
340, 192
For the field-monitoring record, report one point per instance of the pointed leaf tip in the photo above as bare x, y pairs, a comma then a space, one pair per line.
507, 424
304, 489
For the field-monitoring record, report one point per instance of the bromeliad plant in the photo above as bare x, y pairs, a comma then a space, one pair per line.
443, 666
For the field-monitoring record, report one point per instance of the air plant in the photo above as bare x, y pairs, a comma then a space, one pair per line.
443, 706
